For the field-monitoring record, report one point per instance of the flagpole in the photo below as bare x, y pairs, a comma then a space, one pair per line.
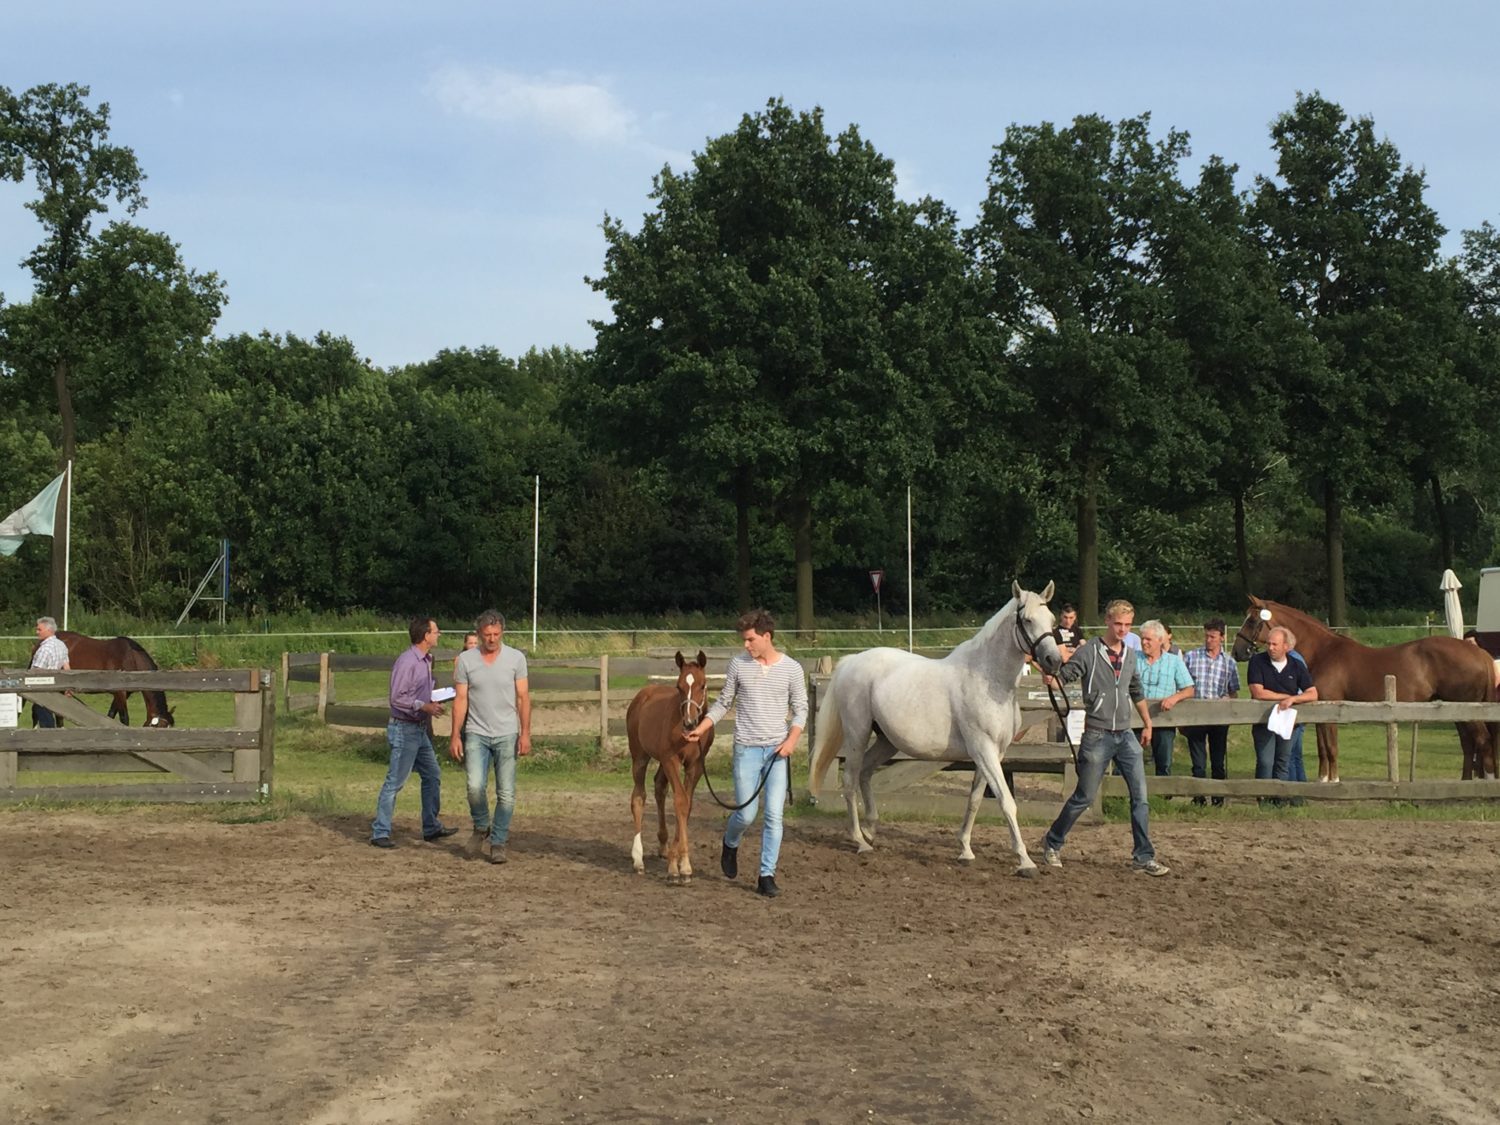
909, 645
536, 545
67, 546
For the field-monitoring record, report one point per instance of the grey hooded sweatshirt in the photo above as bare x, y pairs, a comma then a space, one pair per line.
1108, 700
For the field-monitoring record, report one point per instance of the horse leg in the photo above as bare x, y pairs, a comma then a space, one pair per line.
679, 866
639, 763
880, 752
854, 763
661, 811
1328, 752
987, 762
119, 708
971, 813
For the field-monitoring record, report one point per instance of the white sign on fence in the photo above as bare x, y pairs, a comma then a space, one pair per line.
10, 709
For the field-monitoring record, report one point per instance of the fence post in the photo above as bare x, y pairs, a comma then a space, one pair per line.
249, 714
286, 679
604, 701
323, 685
1411, 770
1392, 763
267, 735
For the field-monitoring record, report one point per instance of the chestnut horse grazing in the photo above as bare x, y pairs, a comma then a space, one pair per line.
1342, 668
962, 706
118, 654
657, 723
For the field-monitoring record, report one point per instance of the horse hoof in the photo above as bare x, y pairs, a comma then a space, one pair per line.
864, 848
1026, 872
966, 860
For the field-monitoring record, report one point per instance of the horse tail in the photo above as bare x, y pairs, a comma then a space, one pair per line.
829, 738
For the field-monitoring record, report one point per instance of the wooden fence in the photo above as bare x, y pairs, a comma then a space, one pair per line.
201, 763
553, 682
1055, 755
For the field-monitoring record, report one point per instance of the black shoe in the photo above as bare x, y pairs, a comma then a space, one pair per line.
767, 886
729, 861
439, 834
382, 842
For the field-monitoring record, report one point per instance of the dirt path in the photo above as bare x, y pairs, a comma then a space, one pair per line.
1288, 971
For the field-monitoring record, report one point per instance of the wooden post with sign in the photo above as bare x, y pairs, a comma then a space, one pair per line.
877, 577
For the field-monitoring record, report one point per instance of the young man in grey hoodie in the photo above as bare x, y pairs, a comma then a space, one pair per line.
1111, 690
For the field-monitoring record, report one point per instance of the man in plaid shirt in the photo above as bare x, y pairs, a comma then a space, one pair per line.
1216, 676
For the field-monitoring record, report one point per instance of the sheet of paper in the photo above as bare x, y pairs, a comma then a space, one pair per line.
442, 694
10, 709
1281, 722
1075, 725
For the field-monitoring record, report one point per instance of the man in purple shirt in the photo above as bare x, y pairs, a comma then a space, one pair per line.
410, 734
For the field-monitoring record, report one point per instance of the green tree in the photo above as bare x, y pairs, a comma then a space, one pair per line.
1244, 346
116, 317
766, 330
1069, 241
1353, 243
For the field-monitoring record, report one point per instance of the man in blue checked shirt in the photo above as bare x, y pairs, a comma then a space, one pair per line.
1163, 678
1216, 676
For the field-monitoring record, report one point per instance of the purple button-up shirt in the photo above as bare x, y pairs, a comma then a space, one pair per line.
411, 685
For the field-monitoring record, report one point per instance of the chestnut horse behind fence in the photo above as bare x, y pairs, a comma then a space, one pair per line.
1342, 668
118, 654
657, 723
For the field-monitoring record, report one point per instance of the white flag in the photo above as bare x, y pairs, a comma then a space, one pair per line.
39, 517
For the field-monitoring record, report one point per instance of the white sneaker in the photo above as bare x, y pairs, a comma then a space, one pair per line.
1152, 868
1050, 857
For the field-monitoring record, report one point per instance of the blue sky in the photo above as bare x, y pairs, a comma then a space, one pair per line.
420, 176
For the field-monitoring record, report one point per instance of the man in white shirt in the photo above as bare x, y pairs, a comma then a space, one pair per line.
50, 654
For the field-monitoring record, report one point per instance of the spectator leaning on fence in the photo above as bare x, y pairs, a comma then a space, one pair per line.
52, 655
1164, 678
1275, 676
1215, 676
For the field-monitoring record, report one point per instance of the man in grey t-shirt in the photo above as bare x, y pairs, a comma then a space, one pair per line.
491, 726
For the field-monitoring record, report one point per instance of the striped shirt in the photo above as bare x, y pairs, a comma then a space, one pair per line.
1217, 677
762, 695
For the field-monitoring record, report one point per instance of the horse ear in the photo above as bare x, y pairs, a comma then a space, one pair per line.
1015, 590
702, 659
680, 660
1047, 593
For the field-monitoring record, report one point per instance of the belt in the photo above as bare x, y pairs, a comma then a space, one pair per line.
409, 722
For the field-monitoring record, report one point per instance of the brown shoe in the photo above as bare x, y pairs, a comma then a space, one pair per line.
497, 853
479, 844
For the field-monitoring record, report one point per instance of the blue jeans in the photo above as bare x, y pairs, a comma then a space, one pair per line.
1095, 752
1161, 749
1273, 754
1295, 771
45, 719
411, 746
750, 762
481, 753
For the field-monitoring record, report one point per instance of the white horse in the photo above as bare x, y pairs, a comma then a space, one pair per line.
962, 706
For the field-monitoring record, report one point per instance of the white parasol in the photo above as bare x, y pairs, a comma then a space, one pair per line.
1453, 609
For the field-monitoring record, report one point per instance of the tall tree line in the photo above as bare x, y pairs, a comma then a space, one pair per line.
1176, 387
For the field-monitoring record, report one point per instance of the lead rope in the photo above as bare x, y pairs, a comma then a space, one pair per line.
765, 773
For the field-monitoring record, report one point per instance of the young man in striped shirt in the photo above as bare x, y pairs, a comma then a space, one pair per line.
765, 687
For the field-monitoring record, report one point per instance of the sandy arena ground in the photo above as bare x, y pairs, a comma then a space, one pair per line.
1288, 971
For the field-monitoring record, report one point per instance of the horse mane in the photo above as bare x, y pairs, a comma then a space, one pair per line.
986, 634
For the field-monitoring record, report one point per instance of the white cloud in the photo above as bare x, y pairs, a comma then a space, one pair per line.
585, 111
